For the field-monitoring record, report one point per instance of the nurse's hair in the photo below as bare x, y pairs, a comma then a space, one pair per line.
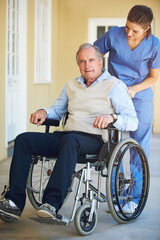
141, 15
89, 45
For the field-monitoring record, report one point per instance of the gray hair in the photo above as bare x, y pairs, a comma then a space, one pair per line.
89, 45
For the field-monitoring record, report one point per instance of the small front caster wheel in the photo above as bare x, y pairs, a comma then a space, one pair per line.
81, 220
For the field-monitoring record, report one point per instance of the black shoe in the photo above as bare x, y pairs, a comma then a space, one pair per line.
6, 218
9, 213
46, 211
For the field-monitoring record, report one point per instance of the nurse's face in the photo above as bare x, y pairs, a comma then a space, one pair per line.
135, 31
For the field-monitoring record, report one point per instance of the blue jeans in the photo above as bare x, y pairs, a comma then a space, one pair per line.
66, 145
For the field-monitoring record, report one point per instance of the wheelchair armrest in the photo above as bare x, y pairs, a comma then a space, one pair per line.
111, 127
55, 123
51, 122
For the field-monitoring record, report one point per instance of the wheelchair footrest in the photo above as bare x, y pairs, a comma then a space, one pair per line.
58, 220
63, 219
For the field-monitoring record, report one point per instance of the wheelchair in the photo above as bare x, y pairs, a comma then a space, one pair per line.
122, 164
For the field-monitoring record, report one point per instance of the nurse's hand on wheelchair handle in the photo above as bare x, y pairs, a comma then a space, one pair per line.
38, 117
103, 121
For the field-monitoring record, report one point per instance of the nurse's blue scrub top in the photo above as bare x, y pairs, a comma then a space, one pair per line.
132, 67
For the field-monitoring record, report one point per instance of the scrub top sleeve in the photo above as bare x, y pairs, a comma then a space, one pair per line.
155, 60
103, 43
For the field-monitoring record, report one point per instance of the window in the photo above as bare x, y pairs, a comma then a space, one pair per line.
42, 41
98, 26
13, 39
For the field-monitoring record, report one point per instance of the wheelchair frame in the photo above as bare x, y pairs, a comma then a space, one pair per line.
110, 158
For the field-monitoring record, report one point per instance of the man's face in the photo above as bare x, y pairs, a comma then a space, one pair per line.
89, 64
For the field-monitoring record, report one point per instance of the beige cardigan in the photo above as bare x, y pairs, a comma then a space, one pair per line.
85, 104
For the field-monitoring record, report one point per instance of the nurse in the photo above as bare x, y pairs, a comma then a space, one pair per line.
134, 57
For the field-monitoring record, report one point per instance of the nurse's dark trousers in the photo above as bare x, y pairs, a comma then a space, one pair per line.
66, 145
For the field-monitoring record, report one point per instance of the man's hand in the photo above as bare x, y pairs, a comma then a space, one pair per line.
38, 115
103, 121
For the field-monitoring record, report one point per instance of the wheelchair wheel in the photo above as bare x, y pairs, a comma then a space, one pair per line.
127, 183
82, 225
38, 177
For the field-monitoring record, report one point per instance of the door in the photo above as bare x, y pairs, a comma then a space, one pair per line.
16, 69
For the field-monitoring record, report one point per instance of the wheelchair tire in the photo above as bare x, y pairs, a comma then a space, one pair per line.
82, 225
127, 182
35, 177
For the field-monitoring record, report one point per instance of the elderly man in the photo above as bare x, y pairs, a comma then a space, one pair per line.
92, 101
